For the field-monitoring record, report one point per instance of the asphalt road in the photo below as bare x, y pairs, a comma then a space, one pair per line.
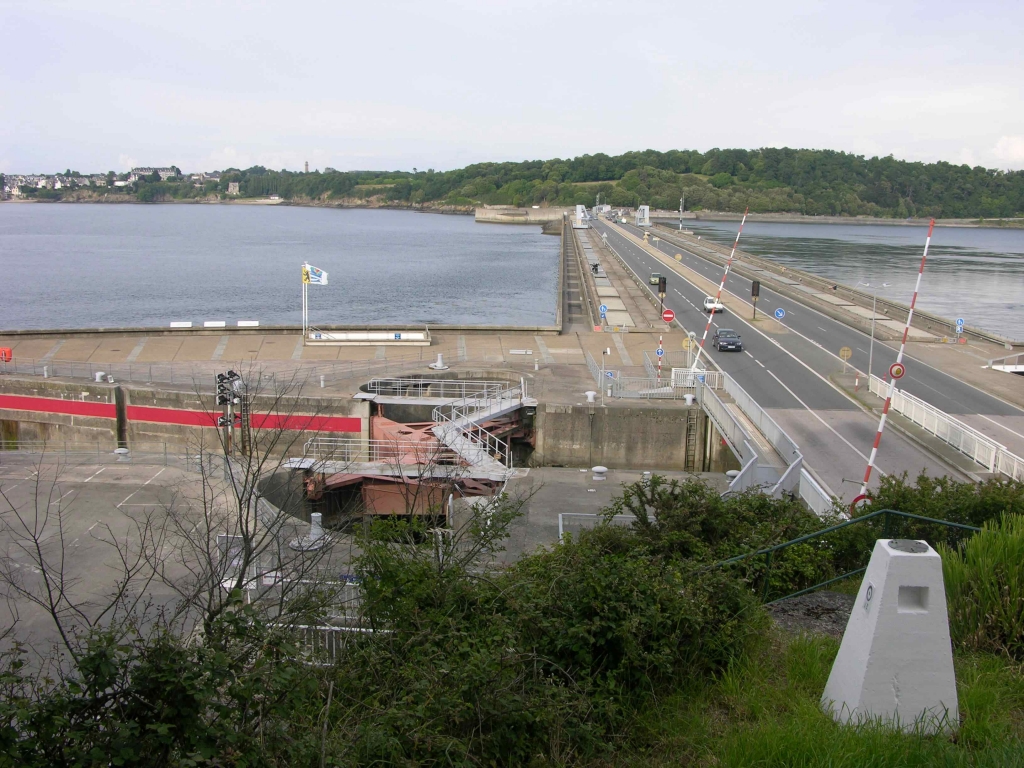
786, 373
997, 418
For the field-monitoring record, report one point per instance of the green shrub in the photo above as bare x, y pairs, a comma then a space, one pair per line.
985, 588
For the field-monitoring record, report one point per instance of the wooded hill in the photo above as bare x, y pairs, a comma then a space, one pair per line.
811, 182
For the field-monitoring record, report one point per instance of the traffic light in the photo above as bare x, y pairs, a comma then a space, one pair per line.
227, 385
228, 421
662, 285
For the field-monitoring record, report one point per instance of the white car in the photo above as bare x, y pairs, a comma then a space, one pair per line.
713, 305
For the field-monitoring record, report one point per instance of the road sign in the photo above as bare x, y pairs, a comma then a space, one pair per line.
679, 257
610, 374
660, 352
845, 353
896, 370
959, 321
668, 315
687, 342
780, 313
603, 309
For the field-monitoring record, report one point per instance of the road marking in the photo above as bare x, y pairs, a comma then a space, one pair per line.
154, 477
861, 351
986, 418
760, 363
92, 476
821, 329
748, 354
825, 423
58, 501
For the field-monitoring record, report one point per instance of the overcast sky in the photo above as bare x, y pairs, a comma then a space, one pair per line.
105, 85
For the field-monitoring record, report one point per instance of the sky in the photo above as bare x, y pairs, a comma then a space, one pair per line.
97, 85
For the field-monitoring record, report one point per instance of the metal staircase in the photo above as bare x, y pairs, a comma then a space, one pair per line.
458, 426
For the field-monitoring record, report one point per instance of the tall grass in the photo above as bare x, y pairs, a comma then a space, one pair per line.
985, 588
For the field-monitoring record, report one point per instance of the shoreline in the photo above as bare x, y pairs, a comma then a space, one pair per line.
459, 210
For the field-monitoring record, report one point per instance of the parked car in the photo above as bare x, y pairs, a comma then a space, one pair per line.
711, 303
655, 278
727, 340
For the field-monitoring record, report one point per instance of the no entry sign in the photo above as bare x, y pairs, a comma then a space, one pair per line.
896, 370
668, 315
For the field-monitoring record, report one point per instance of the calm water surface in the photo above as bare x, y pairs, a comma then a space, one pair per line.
976, 274
83, 266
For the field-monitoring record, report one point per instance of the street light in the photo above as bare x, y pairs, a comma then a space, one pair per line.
604, 380
874, 304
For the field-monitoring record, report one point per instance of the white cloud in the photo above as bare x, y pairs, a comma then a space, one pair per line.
126, 163
1010, 150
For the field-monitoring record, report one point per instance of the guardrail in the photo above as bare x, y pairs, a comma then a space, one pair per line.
1003, 363
782, 443
459, 419
349, 449
814, 494
977, 446
200, 377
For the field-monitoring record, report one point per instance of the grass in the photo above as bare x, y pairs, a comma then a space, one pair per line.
764, 712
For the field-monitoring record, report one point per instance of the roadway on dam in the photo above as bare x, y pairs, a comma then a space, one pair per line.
785, 367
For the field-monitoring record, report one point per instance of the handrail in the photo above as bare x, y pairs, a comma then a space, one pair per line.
462, 417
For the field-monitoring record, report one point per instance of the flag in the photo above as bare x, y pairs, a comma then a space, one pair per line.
313, 276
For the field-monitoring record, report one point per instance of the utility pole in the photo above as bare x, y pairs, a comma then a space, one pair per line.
682, 203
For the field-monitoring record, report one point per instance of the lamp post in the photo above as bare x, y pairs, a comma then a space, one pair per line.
604, 379
874, 305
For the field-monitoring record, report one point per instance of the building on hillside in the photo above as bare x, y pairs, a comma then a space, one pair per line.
233, 188
143, 173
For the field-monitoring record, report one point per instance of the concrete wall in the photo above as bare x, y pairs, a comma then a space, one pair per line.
506, 214
95, 422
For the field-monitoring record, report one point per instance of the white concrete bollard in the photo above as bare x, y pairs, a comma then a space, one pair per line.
439, 365
600, 473
591, 394
895, 663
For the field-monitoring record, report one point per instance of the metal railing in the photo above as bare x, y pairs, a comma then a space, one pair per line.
457, 426
571, 522
200, 376
768, 553
979, 447
454, 389
814, 493
1004, 364
765, 424
349, 449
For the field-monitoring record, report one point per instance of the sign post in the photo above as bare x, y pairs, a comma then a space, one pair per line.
845, 353
662, 290
959, 328
668, 315
661, 353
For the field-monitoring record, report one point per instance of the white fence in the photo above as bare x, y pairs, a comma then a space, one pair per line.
976, 445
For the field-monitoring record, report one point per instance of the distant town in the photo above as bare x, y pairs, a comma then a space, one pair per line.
27, 185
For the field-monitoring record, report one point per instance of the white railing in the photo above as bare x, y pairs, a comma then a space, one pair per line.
457, 426
782, 443
976, 445
686, 378
814, 494
455, 389
349, 449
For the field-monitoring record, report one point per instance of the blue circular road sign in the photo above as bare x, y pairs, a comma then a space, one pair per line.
660, 352
780, 313
610, 374
959, 321
603, 308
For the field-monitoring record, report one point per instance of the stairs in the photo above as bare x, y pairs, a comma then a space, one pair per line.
458, 427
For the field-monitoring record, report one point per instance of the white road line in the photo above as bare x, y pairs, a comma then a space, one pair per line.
760, 363
92, 476
863, 352
986, 418
154, 477
748, 354
821, 329
825, 423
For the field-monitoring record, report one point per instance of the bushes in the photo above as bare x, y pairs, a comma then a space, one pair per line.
985, 588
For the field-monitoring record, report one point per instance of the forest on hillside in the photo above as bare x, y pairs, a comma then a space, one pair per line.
811, 182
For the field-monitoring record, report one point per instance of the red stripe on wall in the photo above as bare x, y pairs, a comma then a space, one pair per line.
52, 405
307, 423
257, 420
171, 416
